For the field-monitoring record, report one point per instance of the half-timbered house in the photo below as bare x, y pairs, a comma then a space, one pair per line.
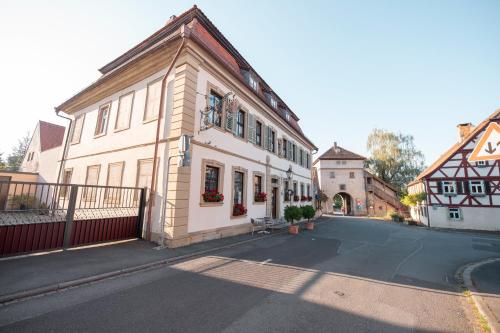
460, 194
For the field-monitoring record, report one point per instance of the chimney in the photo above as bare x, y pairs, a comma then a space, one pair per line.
173, 17
335, 147
464, 130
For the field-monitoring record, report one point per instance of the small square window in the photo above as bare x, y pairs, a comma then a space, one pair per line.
449, 188
481, 163
332, 174
476, 187
351, 174
342, 187
454, 214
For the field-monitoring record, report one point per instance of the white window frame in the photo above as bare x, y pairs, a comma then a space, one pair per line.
274, 103
77, 129
457, 214
101, 126
481, 163
477, 188
252, 82
447, 185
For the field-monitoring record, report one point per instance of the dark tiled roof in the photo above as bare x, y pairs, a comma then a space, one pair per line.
51, 135
207, 34
339, 153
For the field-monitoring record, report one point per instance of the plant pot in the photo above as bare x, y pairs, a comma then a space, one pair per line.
310, 225
293, 229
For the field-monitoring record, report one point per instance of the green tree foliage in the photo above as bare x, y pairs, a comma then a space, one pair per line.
293, 213
16, 156
3, 166
308, 212
412, 200
394, 157
337, 202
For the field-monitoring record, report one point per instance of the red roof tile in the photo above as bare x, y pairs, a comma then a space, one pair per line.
51, 135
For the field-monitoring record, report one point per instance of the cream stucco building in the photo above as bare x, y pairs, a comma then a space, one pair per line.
188, 79
341, 173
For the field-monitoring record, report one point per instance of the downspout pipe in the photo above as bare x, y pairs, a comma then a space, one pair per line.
65, 149
157, 139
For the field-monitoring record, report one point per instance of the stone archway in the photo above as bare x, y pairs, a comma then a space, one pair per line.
342, 202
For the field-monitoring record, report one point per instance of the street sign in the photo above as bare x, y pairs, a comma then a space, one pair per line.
488, 148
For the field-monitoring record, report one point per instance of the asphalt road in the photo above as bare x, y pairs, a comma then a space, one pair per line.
348, 275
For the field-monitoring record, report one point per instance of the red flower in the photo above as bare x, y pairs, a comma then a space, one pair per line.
213, 196
239, 209
260, 197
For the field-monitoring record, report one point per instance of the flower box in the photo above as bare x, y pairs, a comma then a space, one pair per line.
296, 198
213, 196
260, 197
303, 198
239, 209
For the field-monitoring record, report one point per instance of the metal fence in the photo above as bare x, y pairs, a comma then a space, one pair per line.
41, 216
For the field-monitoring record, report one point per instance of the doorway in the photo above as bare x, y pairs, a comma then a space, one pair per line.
274, 203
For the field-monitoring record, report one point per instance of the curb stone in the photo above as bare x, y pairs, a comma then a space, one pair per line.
9, 298
464, 275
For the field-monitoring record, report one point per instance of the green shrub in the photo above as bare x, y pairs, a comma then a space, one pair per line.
308, 212
292, 213
23, 202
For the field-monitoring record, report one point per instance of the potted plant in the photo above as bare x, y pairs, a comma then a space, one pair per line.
395, 216
308, 213
213, 196
293, 213
261, 197
239, 209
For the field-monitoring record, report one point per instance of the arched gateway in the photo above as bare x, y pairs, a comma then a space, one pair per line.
342, 202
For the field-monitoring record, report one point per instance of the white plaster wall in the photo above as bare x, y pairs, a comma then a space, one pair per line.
106, 149
205, 218
34, 146
476, 218
48, 165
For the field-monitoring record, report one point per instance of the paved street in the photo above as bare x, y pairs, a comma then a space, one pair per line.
348, 275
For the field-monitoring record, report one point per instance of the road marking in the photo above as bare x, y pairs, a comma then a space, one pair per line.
265, 261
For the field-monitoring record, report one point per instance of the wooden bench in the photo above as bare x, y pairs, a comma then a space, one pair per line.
266, 223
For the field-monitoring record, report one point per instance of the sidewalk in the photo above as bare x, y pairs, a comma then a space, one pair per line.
486, 280
32, 275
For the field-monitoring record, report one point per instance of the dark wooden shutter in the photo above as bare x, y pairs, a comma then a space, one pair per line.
439, 187
487, 187
459, 188
466, 187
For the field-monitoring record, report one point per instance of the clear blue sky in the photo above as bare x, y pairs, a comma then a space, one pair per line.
344, 67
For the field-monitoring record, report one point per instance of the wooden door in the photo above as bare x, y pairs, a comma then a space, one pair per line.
274, 202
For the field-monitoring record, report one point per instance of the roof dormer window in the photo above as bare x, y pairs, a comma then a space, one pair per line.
252, 82
287, 115
274, 102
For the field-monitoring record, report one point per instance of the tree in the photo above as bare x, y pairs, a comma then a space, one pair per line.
16, 157
3, 166
394, 157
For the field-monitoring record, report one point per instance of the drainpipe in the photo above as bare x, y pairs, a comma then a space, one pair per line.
158, 125
65, 150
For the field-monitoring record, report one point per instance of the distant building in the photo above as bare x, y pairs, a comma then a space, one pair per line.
341, 173
44, 151
460, 194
